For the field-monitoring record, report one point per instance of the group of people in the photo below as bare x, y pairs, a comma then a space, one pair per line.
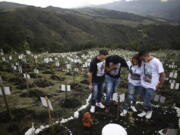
146, 76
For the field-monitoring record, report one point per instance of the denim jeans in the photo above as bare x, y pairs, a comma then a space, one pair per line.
133, 91
97, 92
111, 87
148, 95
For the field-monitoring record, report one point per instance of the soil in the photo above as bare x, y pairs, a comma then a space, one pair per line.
70, 103
43, 83
76, 87
161, 118
33, 75
84, 82
34, 93
16, 125
57, 78
48, 72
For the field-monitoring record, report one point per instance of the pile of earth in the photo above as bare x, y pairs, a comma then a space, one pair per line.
21, 121
70, 103
57, 78
42, 83
34, 93
162, 118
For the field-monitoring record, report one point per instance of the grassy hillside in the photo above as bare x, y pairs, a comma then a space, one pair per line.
58, 30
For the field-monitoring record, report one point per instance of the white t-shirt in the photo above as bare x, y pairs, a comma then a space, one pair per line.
151, 71
134, 77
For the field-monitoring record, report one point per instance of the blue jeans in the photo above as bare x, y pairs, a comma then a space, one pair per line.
97, 92
133, 91
111, 87
148, 95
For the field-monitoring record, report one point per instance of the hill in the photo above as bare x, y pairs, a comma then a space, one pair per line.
168, 10
57, 30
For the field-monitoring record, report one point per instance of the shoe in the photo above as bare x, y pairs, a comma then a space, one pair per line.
100, 105
133, 108
107, 110
149, 115
92, 110
142, 114
123, 113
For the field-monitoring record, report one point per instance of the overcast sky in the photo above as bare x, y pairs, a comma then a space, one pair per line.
63, 3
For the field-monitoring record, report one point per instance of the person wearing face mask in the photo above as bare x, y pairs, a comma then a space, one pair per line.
152, 79
96, 77
134, 84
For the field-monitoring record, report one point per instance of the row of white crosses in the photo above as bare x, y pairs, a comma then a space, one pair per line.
65, 87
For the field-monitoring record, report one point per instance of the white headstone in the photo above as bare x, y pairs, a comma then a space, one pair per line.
50, 105
171, 75
177, 86
63, 87
7, 91
156, 98
115, 97
68, 87
43, 101
122, 98
162, 99
172, 85
175, 75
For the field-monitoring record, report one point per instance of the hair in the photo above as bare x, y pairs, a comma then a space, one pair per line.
137, 57
103, 52
115, 59
143, 53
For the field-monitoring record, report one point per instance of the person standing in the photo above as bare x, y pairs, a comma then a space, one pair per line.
134, 84
96, 77
152, 80
112, 78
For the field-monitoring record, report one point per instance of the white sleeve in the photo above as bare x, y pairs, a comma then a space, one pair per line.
129, 64
160, 68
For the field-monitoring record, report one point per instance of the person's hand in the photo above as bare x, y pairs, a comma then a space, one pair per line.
158, 87
90, 87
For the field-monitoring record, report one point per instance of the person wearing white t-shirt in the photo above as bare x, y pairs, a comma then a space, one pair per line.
134, 84
152, 79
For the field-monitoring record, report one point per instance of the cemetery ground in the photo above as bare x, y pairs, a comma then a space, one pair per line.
31, 76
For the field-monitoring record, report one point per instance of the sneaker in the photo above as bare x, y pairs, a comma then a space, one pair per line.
123, 113
142, 114
100, 105
92, 110
133, 108
149, 115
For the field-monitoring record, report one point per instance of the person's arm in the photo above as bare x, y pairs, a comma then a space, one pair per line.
161, 81
90, 80
110, 68
124, 63
161, 76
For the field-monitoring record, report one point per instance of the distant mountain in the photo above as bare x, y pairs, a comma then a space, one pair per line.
7, 6
168, 10
57, 30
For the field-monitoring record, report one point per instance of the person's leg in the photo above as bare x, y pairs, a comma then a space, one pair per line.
99, 95
109, 86
138, 93
94, 97
149, 94
129, 100
116, 83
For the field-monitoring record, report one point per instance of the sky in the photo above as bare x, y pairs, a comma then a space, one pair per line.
63, 3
